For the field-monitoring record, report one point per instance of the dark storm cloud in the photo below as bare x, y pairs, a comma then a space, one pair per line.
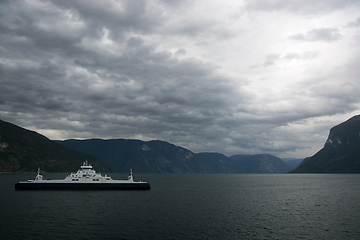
110, 69
137, 86
120, 16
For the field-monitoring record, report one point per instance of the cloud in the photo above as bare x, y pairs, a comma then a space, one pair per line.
353, 24
274, 58
155, 70
180, 52
292, 56
318, 34
303, 7
309, 55
271, 59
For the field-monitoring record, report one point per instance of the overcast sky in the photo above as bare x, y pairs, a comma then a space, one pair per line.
235, 77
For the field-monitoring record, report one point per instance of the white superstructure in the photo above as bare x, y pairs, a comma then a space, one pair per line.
84, 179
86, 174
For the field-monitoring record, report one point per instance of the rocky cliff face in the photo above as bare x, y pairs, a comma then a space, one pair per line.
341, 152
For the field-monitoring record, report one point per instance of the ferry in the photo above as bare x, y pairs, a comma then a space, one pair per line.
85, 178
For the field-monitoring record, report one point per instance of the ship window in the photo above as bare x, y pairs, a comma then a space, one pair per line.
74, 179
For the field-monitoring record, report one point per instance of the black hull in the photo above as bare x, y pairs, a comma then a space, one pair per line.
82, 186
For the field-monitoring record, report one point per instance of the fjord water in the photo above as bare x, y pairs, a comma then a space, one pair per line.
219, 206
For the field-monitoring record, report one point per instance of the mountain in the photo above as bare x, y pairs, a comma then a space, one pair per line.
145, 157
163, 157
260, 163
218, 162
292, 162
341, 152
22, 150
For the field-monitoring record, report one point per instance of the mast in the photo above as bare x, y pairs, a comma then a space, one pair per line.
130, 177
38, 176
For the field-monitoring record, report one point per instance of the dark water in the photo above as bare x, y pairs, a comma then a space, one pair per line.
280, 206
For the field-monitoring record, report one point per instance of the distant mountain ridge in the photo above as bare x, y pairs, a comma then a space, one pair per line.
145, 157
219, 162
292, 162
22, 150
162, 157
260, 163
341, 152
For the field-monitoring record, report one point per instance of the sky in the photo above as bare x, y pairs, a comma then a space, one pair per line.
234, 77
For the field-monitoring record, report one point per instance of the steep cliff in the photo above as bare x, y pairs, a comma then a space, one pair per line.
341, 152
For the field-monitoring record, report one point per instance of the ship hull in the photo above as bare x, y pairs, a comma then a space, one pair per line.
81, 186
